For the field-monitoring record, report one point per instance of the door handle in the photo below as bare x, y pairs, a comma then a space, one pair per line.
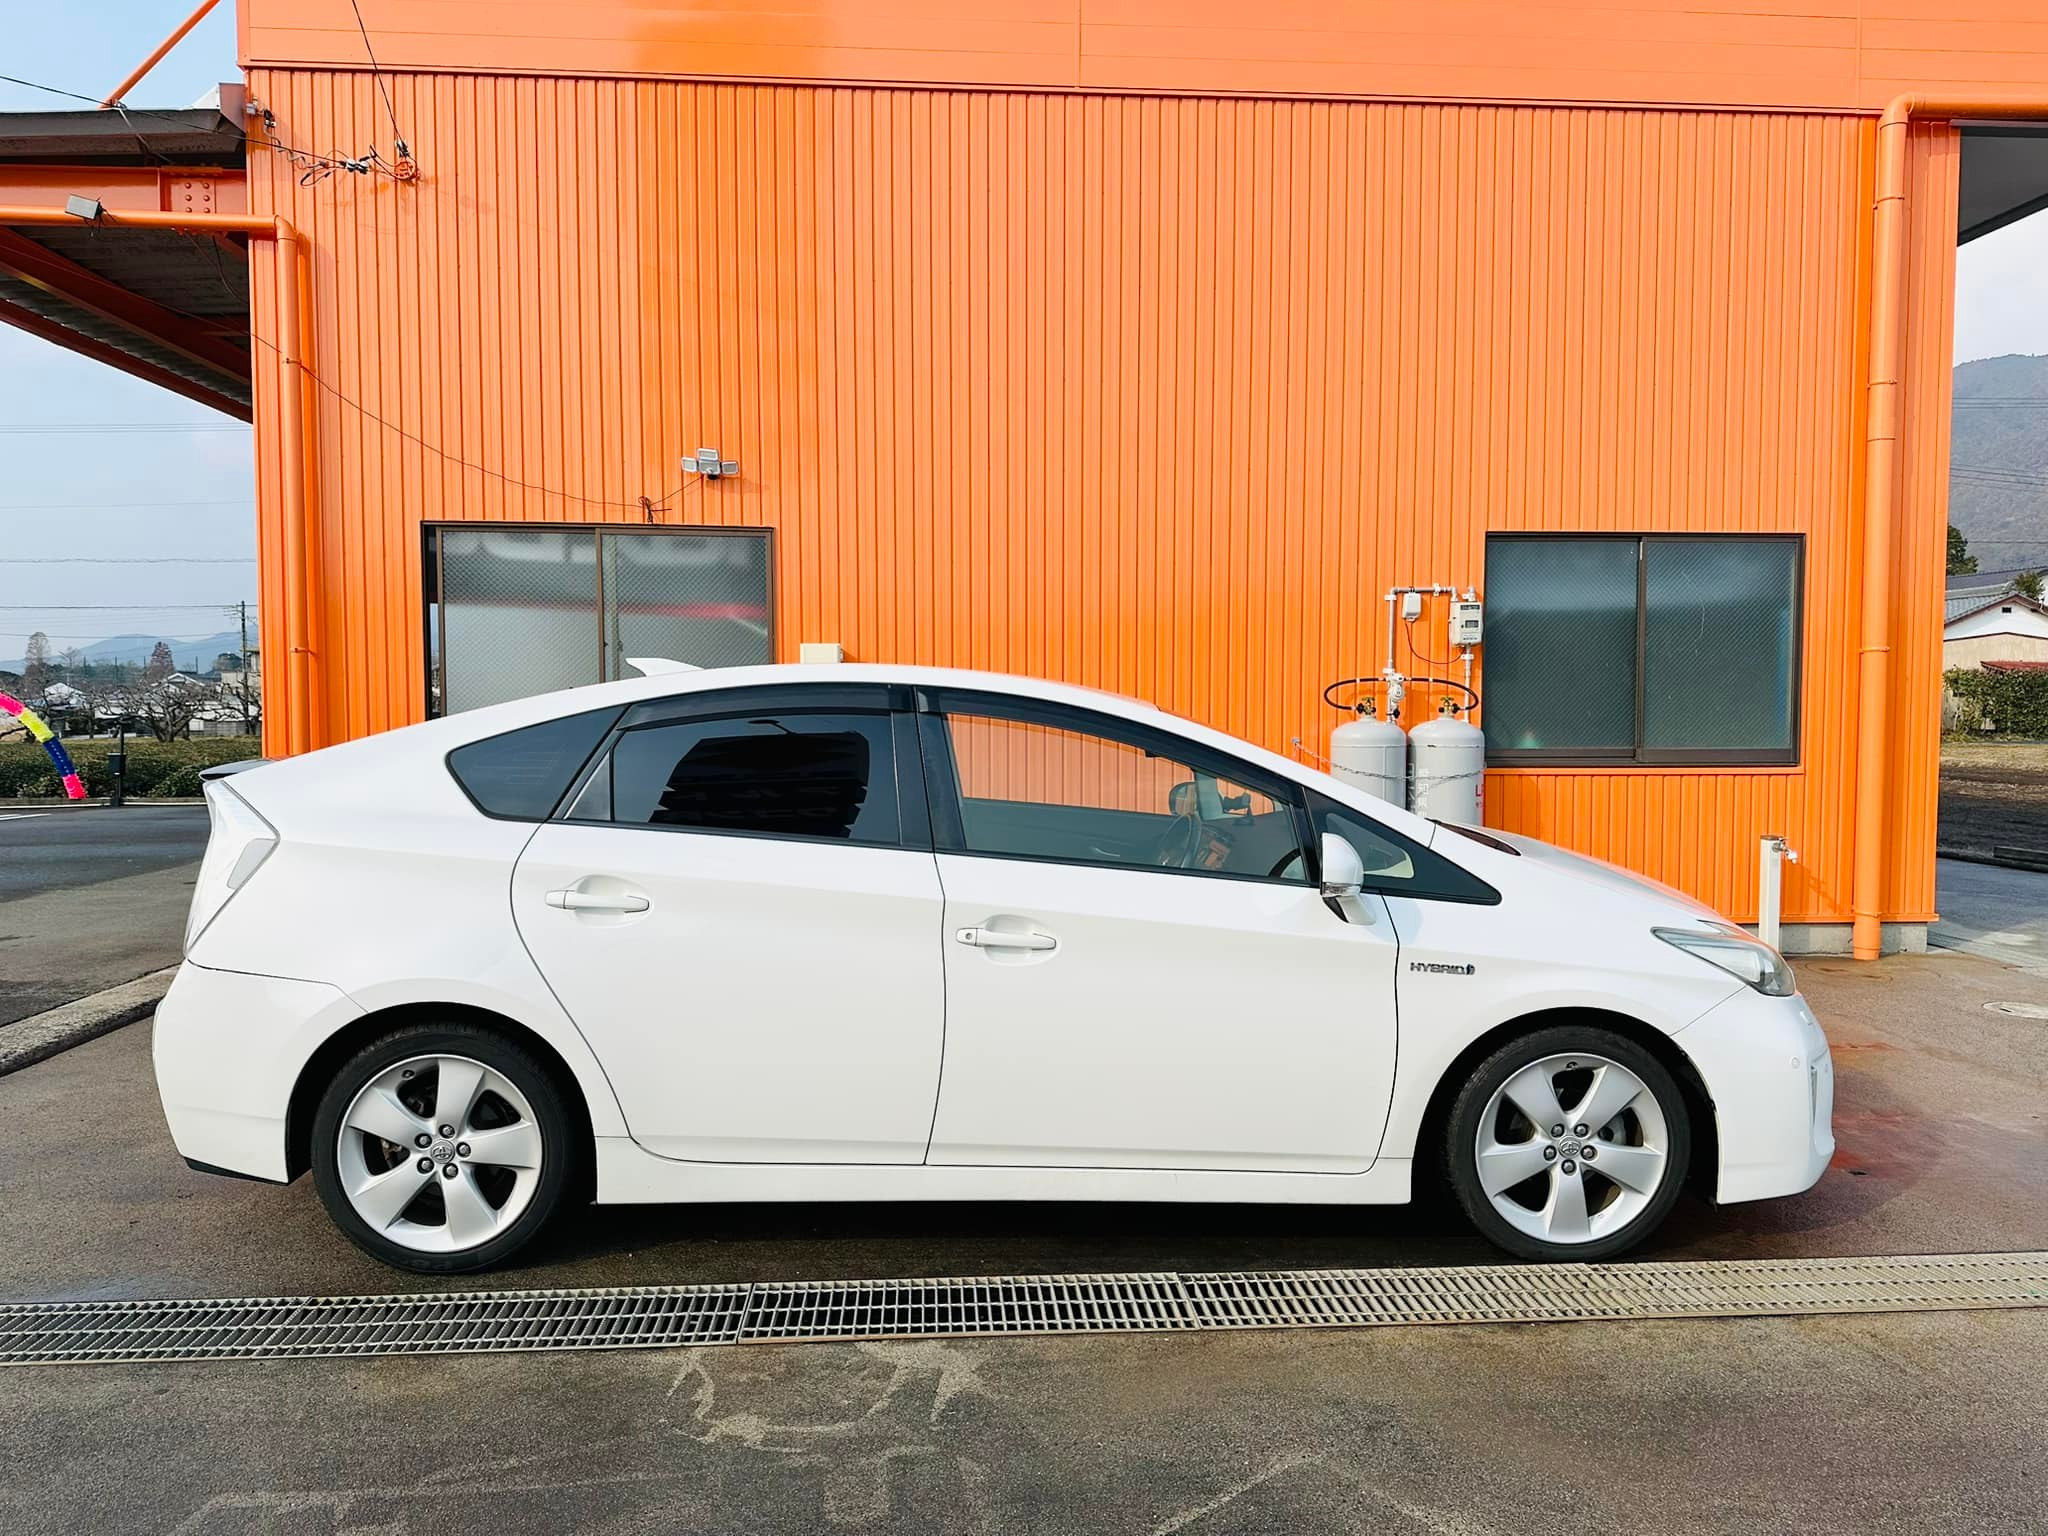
995, 938
584, 901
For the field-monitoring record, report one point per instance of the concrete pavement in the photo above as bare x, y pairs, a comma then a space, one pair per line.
91, 898
2001, 914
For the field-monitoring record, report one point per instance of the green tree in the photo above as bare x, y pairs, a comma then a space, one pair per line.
2028, 585
1960, 561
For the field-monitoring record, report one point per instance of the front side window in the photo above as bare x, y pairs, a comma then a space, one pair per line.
828, 776
1659, 649
1056, 788
1396, 867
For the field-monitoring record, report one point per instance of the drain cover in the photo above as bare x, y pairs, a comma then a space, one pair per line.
653, 1317
2020, 1010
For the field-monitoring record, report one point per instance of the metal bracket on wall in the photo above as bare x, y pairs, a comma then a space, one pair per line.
708, 464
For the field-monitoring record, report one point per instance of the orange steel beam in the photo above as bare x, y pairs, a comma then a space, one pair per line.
87, 346
52, 273
134, 188
298, 534
162, 48
1880, 494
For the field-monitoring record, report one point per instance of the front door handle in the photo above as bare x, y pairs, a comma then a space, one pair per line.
995, 938
585, 901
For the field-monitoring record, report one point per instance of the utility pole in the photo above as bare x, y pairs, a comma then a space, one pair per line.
242, 688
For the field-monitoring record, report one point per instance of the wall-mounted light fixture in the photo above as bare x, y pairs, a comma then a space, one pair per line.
708, 464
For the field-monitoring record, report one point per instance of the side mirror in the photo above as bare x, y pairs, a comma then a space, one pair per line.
1343, 869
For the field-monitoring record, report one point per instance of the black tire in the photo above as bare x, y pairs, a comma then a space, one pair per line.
563, 1158
1460, 1147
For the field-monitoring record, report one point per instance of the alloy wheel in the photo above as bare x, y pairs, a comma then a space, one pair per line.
1572, 1148
439, 1153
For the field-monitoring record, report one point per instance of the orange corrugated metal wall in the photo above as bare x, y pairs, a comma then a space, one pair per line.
1154, 394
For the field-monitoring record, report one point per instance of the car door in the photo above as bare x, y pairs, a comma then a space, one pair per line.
740, 910
1141, 971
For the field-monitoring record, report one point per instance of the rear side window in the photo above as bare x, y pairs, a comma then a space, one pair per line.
521, 774
829, 776
1396, 867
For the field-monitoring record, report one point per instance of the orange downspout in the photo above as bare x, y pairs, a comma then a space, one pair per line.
118, 92
1880, 493
299, 713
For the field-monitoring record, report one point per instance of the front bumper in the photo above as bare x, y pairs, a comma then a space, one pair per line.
1766, 1066
228, 1047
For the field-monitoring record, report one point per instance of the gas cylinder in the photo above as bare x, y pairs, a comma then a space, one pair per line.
1371, 754
1448, 775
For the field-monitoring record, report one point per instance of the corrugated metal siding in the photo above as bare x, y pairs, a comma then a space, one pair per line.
1151, 394
1769, 53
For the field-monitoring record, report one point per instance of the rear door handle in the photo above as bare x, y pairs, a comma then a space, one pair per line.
584, 901
995, 938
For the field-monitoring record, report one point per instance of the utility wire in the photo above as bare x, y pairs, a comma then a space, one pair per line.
119, 506
377, 74
55, 428
127, 559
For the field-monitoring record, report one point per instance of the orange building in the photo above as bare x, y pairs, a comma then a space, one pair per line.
1141, 345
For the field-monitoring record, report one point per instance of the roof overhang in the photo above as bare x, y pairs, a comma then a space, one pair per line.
2004, 176
165, 305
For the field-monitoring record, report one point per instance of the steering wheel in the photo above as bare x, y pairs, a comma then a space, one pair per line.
1178, 845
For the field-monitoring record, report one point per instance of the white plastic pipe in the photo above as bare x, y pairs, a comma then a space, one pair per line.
1770, 888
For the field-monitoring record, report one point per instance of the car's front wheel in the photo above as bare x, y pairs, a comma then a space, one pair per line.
443, 1148
1569, 1143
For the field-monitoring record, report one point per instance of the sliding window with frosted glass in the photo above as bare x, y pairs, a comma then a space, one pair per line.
1659, 649
519, 609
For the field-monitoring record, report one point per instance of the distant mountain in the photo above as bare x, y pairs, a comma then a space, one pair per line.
189, 655
1998, 458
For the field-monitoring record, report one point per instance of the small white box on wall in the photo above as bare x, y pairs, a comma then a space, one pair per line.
826, 651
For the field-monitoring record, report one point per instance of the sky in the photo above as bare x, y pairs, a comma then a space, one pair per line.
69, 496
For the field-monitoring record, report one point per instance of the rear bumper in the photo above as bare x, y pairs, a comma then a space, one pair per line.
1766, 1065
228, 1047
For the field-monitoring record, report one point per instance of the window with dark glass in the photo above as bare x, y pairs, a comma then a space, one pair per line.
1655, 649
1396, 867
829, 776
521, 774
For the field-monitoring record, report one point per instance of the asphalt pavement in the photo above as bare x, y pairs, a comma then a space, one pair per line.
90, 898
1910, 1423
1988, 910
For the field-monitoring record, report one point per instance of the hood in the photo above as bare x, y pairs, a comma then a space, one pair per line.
1611, 877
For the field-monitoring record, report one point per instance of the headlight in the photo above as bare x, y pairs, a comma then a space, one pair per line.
239, 841
1744, 956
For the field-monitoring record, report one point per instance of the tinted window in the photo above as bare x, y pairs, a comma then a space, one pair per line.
1662, 649
522, 773
1045, 791
1560, 645
1396, 866
791, 775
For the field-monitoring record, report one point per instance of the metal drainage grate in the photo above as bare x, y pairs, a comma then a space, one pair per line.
654, 1317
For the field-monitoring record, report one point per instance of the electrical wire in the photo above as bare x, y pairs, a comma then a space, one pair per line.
639, 504
314, 168
119, 506
127, 559
54, 428
377, 74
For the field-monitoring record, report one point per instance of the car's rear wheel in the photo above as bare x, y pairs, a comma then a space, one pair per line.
1569, 1143
443, 1148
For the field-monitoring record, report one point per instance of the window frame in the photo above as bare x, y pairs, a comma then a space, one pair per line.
885, 701
1641, 756
434, 600
942, 777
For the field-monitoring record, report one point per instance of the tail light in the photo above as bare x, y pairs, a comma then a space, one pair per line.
238, 843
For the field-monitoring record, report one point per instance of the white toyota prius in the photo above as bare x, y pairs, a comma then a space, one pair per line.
897, 933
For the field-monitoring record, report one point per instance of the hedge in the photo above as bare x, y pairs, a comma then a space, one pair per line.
162, 770
2013, 704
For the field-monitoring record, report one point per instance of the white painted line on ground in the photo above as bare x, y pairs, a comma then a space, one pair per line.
21, 815
41, 1035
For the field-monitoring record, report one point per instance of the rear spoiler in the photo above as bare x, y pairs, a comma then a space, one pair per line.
221, 770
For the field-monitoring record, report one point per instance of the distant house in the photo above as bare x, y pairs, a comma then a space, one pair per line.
1985, 620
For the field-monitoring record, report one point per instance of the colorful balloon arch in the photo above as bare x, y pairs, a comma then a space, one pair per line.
74, 786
